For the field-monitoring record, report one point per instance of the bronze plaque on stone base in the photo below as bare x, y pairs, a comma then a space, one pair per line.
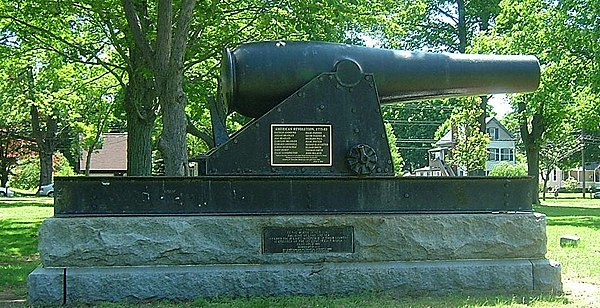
308, 240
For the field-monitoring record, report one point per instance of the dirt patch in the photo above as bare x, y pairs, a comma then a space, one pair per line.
9, 299
586, 294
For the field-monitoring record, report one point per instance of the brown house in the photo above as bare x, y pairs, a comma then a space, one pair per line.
110, 158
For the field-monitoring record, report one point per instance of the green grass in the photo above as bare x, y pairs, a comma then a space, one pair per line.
374, 300
19, 222
21, 217
579, 217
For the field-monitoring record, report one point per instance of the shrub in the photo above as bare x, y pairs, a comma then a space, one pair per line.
570, 185
507, 169
27, 174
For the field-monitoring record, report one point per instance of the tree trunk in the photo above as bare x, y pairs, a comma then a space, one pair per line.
546, 178
533, 169
139, 145
531, 133
482, 117
164, 59
169, 57
47, 146
172, 143
5, 172
45, 140
4, 163
139, 103
45, 166
462, 26
88, 160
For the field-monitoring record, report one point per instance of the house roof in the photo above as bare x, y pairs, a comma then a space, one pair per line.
111, 157
589, 166
490, 120
447, 138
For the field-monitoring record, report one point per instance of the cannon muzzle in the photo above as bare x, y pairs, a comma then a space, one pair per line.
255, 77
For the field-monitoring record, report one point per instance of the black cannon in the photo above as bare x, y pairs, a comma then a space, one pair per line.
256, 77
317, 105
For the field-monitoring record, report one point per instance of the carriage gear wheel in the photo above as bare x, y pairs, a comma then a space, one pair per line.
362, 159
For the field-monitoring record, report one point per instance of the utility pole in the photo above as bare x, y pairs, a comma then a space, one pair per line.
583, 165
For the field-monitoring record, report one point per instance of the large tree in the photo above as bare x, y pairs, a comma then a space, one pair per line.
555, 153
12, 149
564, 36
448, 26
155, 50
36, 95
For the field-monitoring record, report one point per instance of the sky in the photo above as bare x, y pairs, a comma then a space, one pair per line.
500, 104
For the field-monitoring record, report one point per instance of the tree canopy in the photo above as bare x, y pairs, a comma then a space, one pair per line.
75, 68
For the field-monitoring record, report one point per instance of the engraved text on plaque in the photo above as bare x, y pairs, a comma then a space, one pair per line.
308, 240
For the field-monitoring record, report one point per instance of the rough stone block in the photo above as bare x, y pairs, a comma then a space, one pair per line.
196, 240
547, 278
46, 286
569, 240
404, 278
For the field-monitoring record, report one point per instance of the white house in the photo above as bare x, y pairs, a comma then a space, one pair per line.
501, 148
502, 144
592, 176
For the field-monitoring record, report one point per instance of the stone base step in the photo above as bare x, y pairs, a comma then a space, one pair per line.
144, 283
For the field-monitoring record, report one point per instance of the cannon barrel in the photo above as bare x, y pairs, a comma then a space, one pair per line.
255, 77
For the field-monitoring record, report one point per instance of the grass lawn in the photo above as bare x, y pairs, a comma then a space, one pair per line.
20, 219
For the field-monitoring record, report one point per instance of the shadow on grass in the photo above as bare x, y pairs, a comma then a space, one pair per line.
7, 202
18, 253
571, 216
18, 238
381, 299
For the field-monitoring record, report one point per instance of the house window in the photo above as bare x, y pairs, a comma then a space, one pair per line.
494, 154
493, 132
507, 154
554, 175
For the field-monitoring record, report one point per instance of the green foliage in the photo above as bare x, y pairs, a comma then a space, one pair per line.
62, 166
158, 164
412, 121
440, 26
570, 87
27, 174
396, 157
508, 169
470, 149
98, 35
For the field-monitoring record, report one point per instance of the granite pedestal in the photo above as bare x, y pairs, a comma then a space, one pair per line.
90, 259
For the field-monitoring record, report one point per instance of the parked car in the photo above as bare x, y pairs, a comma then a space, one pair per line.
6, 192
46, 190
597, 195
